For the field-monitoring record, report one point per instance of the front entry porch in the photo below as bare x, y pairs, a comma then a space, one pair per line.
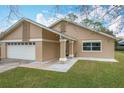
66, 49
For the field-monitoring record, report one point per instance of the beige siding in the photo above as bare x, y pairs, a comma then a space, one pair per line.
16, 34
57, 27
84, 34
45, 50
26, 31
49, 35
39, 50
3, 50
35, 31
50, 51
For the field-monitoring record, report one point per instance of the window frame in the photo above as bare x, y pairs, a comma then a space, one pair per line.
20, 43
91, 41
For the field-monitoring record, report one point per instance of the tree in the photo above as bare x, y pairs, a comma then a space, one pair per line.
72, 17
13, 13
97, 26
87, 22
103, 14
84, 10
107, 31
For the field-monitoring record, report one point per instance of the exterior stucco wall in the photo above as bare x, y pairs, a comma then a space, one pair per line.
50, 51
47, 50
35, 32
49, 35
57, 27
50, 48
3, 50
38, 51
82, 34
44, 50
16, 34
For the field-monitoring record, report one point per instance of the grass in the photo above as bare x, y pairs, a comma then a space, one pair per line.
82, 74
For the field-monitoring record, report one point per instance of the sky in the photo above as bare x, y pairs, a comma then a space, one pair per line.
47, 15
39, 13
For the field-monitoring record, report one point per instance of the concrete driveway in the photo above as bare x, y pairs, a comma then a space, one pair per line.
8, 64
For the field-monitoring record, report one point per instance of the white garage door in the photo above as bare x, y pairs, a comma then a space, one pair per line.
21, 50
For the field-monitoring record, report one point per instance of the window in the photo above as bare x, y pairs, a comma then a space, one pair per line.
19, 43
33, 43
26, 43
12, 43
91, 45
30, 43
22, 43
15, 43
8, 43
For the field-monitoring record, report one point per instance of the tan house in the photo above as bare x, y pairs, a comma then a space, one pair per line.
30, 40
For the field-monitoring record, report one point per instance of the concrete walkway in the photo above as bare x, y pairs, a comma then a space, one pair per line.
52, 66
60, 66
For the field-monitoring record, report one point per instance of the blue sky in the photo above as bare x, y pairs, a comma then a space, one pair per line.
27, 11
46, 15
30, 11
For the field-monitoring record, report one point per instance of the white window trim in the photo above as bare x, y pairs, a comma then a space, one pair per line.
84, 41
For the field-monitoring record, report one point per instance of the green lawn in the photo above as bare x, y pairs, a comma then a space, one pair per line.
82, 74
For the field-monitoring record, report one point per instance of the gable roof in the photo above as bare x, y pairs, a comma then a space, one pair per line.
101, 33
35, 23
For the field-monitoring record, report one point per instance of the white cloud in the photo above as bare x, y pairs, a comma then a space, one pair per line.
51, 20
41, 19
59, 16
47, 22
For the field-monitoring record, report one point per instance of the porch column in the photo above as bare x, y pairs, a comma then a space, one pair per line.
62, 50
71, 48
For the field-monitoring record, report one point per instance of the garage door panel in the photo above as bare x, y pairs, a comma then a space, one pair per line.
26, 52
